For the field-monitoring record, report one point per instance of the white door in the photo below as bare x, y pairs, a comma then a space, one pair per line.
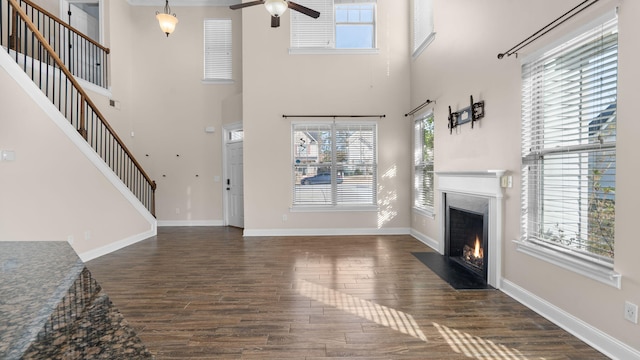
234, 185
84, 16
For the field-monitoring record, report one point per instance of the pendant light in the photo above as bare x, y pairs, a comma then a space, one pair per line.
167, 20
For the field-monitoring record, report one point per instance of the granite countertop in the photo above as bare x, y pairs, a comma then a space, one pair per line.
34, 278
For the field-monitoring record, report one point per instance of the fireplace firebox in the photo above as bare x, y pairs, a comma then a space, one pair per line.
466, 232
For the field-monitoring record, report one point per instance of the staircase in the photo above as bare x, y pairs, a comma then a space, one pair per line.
54, 56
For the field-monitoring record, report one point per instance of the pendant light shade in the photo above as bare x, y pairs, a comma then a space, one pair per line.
276, 7
167, 20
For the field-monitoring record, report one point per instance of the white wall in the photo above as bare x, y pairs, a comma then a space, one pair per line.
276, 83
461, 62
52, 191
164, 107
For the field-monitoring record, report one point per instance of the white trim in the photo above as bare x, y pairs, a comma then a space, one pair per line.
425, 239
58, 119
190, 223
599, 340
217, 81
430, 212
590, 269
332, 51
326, 232
107, 249
480, 184
425, 44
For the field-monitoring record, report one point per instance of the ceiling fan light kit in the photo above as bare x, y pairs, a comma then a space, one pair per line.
278, 7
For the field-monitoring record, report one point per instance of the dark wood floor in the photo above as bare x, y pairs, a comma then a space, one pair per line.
209, 293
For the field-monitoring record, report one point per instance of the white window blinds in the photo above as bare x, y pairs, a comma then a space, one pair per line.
334, 164
569, 145
423, 32
423, 162
320, 33
217, 49
307, 32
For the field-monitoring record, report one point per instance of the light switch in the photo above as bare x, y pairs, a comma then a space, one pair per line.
8, 155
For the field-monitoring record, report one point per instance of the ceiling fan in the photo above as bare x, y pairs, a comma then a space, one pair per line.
277, 7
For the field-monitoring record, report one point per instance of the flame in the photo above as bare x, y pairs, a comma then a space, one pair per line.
478, 253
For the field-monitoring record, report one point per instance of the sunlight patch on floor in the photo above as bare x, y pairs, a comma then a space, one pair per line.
382, 315
476, 347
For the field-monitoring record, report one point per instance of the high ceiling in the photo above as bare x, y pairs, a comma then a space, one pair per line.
184, 2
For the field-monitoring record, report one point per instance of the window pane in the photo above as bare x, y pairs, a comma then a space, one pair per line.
423, 160
354, 36
334, 164
568, 145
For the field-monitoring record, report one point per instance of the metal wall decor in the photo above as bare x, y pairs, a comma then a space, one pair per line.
472, 113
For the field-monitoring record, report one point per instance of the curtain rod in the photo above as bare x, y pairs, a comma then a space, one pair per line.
547, 28
418, 108
332, 116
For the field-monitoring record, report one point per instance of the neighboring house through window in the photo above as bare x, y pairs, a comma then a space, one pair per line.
334, 164
569, 100
423, 163
217, 51
342, 25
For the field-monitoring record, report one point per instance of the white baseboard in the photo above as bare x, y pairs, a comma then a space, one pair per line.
425, 239
604, 343
325, 232
190, 223
107, 249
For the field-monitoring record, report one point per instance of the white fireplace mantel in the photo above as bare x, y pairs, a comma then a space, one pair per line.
485, 184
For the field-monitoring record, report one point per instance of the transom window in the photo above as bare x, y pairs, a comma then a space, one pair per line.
334, 164
569, 147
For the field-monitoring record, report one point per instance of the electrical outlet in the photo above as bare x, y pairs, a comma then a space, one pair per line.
631, 312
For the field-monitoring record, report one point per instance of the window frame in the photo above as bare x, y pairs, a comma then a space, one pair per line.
539, 154
421, 162
324, 41
334, 127
212, 37
423, 26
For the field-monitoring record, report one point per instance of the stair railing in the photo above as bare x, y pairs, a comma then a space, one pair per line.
86, 58
39, 60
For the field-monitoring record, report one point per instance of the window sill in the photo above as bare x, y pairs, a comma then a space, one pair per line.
217, 81
590, 269
325, 208
425, 44
430, 213
332, 51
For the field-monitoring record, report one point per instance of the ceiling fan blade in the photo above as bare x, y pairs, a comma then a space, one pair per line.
275, 21
247, 4
303, 9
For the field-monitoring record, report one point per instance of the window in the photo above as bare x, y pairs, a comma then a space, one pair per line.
217, 50
334, 164
355, 26
423, 33
569, 148
343, 24
423, 163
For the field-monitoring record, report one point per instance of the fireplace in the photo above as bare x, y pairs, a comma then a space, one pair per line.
474, 201
466, 232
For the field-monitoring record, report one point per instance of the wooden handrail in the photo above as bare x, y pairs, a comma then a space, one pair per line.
79, 89
58, 20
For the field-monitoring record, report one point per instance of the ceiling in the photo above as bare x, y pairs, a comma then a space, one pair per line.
184, 2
